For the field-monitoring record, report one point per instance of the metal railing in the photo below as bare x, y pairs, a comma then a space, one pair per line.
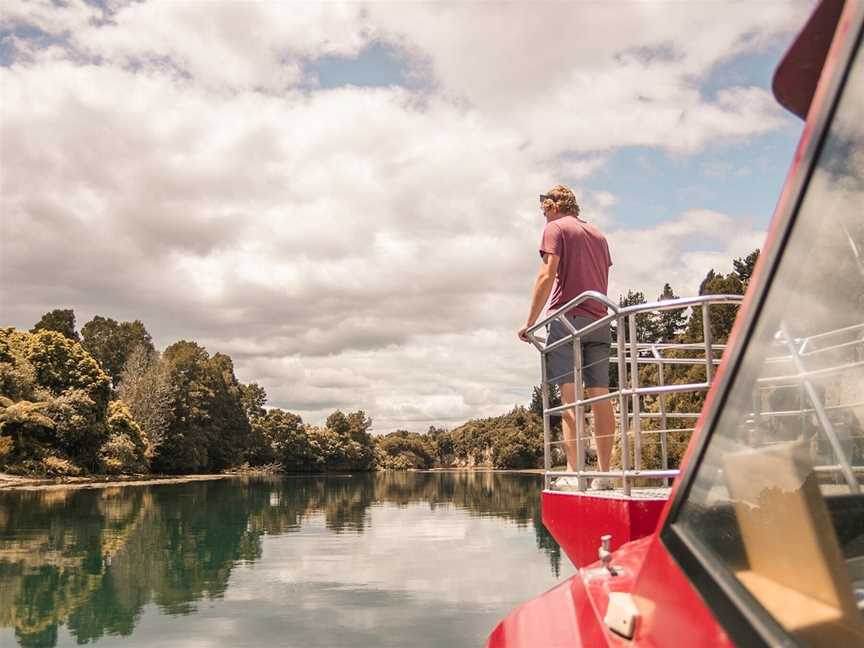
627, 355
803, 364
831, 351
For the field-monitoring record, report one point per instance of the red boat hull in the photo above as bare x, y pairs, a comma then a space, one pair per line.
577, 520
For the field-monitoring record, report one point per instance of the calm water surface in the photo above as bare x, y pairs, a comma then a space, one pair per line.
388, 559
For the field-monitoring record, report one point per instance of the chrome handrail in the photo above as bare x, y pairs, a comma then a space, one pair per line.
629, 354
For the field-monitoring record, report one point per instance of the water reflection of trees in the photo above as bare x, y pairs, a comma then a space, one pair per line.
92, 559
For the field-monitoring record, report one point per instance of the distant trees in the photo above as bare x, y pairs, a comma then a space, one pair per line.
184, 411
402, 449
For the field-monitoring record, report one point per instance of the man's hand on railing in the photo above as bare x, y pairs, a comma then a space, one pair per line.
523, 333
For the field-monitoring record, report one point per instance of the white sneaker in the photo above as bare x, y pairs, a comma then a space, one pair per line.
568, 483
601, 484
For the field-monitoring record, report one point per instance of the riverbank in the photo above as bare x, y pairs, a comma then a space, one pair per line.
17, 482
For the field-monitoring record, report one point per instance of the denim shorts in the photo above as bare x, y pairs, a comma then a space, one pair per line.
595, 354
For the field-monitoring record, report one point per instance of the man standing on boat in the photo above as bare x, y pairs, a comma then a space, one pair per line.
575, 258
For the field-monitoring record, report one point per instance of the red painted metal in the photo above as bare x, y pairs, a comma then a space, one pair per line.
577, 520
672, 613
796, 77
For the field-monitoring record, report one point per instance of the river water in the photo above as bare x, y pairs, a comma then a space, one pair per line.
371, 560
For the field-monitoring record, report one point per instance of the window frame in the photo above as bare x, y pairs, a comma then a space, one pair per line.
741, 615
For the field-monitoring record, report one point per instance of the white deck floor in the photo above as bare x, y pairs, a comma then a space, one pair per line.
641, 493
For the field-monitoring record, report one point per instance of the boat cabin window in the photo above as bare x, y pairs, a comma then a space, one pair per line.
778, 498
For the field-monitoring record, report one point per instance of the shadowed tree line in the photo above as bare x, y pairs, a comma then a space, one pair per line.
106, 401
124, 548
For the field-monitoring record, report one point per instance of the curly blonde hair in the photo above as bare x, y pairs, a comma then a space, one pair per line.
565, 199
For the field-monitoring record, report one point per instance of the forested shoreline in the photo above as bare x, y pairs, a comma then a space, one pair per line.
105, 401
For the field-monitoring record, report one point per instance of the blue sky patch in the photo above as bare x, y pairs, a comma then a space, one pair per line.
742, 180
752, 69
376, 65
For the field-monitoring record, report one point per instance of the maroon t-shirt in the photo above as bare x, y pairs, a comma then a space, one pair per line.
583, 264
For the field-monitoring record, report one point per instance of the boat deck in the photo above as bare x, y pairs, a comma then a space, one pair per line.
640, 493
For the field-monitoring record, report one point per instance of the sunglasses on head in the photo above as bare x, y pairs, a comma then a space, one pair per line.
547, 197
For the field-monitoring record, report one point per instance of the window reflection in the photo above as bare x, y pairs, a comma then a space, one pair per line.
778, 497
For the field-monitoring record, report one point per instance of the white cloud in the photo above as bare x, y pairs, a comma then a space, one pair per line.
349, 247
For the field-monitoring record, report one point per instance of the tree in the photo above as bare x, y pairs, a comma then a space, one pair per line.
209, 430
670, 323
229, 429
79, 427
536, 405
17, 375
60, 320
286, 441
25, 430
254, 398
146, 390
125, 448
60, 363
111, 343
402, 449
722, 317
744, 266
647, 325
441, 443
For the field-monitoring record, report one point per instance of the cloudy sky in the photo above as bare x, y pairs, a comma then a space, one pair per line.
343, 197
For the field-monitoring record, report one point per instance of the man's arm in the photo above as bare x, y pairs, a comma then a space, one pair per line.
542, 287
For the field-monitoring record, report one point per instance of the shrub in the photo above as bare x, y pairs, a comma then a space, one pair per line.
125, 449
55, 466
78, 426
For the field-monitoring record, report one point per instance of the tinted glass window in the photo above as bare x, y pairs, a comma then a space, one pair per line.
777, 497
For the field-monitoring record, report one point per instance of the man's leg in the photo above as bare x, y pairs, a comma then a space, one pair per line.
604, 426
568, 426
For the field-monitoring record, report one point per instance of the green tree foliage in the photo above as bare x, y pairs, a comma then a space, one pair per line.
744, 266
55, 398
722, 317
647, 324
111, 343
670, 323
280, 436
536, 406
254, 398
125, 449
61, 364
26, 431
17, 375
402, 449
146, 389
79, 427
442, 445
209, 429
344, 443
514, 440
61, 320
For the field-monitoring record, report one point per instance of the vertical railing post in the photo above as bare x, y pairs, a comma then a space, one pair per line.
822, 416
579, 410
709, 343
634, 385
661, 379
547, 436
622, 407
